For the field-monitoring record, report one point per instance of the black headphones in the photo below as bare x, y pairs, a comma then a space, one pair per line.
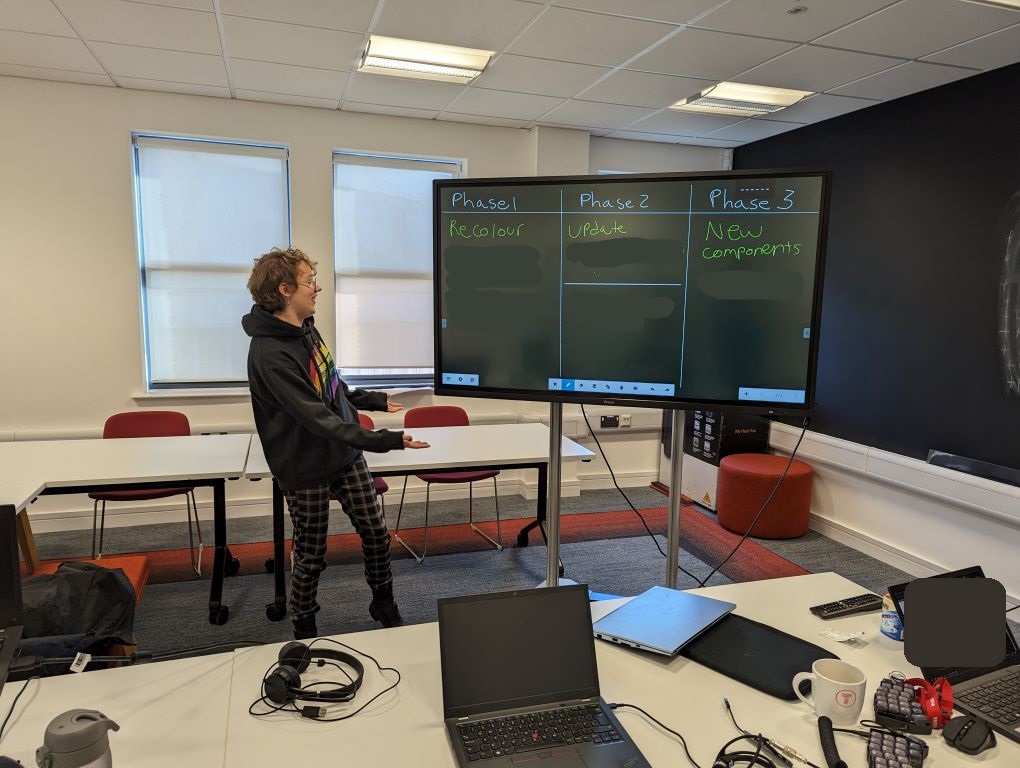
282, 685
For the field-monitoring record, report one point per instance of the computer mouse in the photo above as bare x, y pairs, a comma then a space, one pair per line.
969, 734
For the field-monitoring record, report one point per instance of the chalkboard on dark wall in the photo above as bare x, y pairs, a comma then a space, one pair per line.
920, 338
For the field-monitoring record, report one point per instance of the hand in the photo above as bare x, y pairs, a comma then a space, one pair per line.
392, 407
410, 442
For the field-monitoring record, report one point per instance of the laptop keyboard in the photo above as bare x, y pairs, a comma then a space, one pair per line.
485, 739
997, 699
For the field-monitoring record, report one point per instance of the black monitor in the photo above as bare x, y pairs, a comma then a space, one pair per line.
661, 290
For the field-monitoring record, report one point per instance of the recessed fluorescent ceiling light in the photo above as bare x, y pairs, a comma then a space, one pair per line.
431, 61
741, 99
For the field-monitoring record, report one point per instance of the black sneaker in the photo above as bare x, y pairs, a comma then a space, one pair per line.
385, 611
304, 628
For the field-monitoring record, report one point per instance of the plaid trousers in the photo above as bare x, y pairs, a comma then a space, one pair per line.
309, 514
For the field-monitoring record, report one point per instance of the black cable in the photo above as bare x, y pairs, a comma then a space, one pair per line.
625, 498
14, 704
203, 649
745, 756
1013, 608
666, 728
776, 754
314, 712
764, 506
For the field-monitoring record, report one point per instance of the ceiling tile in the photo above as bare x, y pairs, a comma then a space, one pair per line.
590, 114
281, 78
383, 109
155, 64
485, 24
642, 89
998, 49
709, 55
32, 50
639, 136
195, 5
900, 31
284, 98
517, 106
684, 123
155, 26
61, 75
703, 142
671, 11
193, 89
400, 92
769, 18
753, 129
911, 77
541, 76
33, 16
502, 122
587, 38
821, 106
291, 44
811, 68
350, 15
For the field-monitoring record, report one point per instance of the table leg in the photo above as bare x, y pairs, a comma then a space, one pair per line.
277, 610
543, 489
219, 613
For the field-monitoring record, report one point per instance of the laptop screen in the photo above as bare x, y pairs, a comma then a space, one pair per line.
10, 575
955, 674
516, 649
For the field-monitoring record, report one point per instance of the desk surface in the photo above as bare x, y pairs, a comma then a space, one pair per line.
29, 467
169, 713
504, 445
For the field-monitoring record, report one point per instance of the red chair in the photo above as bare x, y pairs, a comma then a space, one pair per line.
446, 416
381, 485
147, 424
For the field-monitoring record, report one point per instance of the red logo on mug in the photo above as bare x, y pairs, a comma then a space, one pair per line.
846, 698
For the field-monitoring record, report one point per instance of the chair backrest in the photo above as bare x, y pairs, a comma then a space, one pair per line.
147, 424
436, 416
366, 421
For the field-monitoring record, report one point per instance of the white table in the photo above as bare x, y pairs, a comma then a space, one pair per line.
475, 447
80, 466
169, 712
405, 727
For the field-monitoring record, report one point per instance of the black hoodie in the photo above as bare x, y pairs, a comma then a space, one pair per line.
305, 415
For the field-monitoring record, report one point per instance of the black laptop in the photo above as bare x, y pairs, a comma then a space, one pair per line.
991, 693
10, 591
520, 683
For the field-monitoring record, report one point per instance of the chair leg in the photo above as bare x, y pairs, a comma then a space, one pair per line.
95, 525
471, 518
196, 561
396, 528
102, 529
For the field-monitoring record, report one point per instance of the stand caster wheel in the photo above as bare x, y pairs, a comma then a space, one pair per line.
219, 616
270, 564
275, 612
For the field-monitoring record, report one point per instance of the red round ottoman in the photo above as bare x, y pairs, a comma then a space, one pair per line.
746, 480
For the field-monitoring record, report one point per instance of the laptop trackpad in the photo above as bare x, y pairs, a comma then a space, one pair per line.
558, 757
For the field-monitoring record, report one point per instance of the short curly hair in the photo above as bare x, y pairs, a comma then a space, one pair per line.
271, 269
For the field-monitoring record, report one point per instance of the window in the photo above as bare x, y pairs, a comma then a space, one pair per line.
382, 214
206, 210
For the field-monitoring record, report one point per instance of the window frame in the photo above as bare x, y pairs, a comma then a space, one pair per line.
393, 160
138, 141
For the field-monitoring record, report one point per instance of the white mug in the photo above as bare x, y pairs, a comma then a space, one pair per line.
837, 690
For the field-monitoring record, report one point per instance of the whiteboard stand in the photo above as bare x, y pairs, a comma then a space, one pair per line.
675, 499
552, 520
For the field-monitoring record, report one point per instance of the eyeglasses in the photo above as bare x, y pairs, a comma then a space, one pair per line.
313, 283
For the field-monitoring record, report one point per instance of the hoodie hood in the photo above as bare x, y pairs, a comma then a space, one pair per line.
259, 322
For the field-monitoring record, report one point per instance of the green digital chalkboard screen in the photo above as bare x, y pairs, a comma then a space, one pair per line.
661, 290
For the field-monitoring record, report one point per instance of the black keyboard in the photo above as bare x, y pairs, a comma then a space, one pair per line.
856, 604
997, 699
485, 739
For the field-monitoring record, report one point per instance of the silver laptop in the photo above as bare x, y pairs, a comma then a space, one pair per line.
661, 620
10, 591
520, 683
